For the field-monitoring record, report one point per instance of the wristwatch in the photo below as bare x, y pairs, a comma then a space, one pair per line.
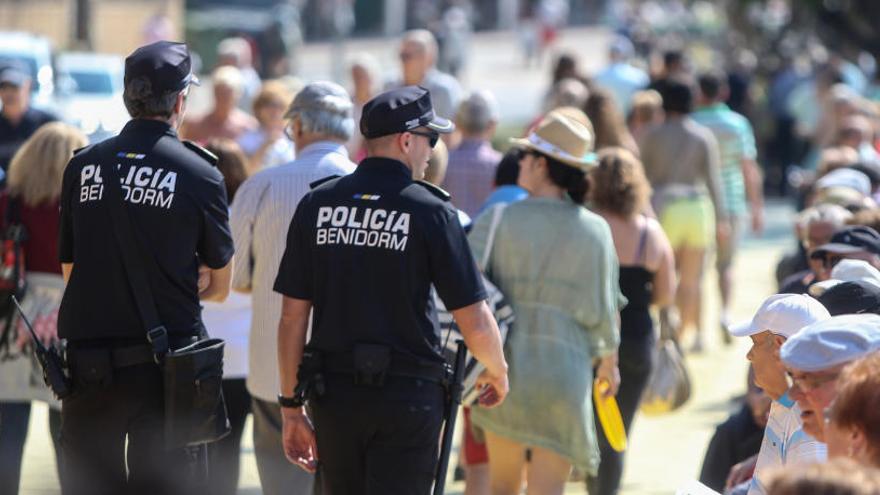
292, 402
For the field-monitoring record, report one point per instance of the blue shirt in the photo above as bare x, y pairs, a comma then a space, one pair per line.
736, 142
622, 80
503, 194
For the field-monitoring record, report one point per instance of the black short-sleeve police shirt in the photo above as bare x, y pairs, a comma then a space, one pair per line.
177, 204
365, 249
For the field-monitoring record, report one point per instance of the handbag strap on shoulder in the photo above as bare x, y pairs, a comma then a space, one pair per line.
133, 257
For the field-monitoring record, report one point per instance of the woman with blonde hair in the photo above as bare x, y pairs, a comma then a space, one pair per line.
366, 82
646, 110
620, 193
267, 146
608, 122
31, 201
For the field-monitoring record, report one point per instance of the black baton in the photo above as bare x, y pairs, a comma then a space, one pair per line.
449, 415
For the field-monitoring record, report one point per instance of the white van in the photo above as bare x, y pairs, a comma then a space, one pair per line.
34, 53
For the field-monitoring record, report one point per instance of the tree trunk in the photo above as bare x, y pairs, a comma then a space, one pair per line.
83, 19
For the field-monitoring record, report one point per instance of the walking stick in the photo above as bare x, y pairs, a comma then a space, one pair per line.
449, 415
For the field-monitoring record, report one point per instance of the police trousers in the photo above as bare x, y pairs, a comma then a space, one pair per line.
96, 421
377, 439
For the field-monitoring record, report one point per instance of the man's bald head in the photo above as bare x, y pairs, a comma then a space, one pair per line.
418, 53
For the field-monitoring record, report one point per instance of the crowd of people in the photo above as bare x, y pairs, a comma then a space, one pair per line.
603, 215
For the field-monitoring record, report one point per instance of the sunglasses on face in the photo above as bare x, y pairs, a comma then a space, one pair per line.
831, 260
433, 137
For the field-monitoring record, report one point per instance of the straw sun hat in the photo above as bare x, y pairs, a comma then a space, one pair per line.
562, 138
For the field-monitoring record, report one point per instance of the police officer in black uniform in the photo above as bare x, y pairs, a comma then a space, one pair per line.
176, 201
362, 254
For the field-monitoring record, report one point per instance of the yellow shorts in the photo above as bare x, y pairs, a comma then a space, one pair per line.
689, 222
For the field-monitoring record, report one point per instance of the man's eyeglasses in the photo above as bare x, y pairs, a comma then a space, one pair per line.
433, 137
831, 260
811, 383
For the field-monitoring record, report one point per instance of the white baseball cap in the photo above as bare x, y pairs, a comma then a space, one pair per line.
848, 178
847, 270
783, 314
832, 342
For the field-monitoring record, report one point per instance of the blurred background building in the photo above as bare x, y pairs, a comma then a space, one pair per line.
111, 26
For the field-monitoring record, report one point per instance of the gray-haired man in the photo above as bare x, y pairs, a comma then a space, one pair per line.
320, 124
470, 176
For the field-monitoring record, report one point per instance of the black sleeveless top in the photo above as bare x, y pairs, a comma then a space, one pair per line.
637, 285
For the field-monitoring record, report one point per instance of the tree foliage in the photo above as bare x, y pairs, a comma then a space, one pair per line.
842, 25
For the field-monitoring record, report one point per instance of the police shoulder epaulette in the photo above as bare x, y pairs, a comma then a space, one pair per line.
323, 181
83, 149
436, 191
202, 152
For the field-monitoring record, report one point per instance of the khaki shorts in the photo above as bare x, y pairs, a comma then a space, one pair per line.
689, 222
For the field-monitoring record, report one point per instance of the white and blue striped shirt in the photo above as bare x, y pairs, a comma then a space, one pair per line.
261, 214
785, 443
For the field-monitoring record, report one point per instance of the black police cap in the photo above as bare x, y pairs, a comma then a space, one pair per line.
851, 240
13, 73
401, 110
165, 64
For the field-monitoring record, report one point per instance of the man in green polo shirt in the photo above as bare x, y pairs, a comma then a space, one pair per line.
740, 175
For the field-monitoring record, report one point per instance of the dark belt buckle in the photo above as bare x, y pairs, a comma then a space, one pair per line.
371, 363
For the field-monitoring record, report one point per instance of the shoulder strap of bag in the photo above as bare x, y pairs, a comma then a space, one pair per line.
12, 230
132, 255
497, 212
13, 213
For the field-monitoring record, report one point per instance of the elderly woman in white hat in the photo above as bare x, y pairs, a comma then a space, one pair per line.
556, 262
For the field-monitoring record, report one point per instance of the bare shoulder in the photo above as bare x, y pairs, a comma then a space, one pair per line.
658, 244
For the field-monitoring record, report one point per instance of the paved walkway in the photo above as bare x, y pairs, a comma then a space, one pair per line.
495, 64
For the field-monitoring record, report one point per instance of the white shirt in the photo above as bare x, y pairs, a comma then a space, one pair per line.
281, 151
261, 214
230, 321
446, 92
785, 443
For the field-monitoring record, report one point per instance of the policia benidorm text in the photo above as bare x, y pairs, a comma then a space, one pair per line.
362, 253
176, 201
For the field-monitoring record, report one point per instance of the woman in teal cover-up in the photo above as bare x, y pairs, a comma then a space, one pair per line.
556, 262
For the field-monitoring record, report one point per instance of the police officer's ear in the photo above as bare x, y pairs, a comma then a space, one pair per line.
180, 104
404, 140
179, 110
